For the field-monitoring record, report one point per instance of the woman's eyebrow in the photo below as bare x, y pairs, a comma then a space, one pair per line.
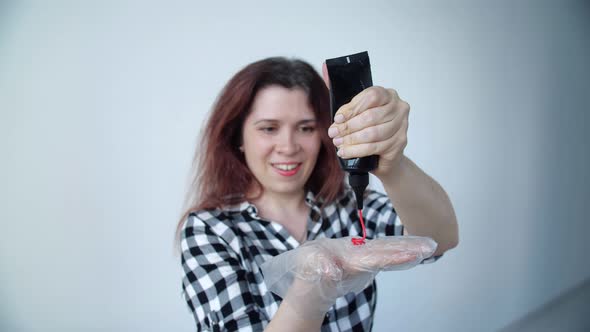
304, 121
266, 120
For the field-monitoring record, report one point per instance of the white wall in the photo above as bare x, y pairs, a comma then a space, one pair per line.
101, 104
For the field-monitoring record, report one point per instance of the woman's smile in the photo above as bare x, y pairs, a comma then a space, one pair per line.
287, 169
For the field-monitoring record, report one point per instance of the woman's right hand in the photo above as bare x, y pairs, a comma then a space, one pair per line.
311, 277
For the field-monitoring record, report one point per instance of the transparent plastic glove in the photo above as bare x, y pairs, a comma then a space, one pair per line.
311, 277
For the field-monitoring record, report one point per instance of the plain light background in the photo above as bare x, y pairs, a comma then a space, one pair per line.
101, 104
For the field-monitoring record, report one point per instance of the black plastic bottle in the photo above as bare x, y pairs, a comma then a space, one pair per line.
350, 75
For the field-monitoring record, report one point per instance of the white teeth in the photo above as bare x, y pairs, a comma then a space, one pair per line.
285, 167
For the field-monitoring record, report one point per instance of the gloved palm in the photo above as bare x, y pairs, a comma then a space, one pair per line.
311, 277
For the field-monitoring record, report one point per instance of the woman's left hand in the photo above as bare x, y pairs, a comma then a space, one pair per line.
374, 122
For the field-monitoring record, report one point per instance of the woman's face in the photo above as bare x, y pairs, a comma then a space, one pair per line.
281, 140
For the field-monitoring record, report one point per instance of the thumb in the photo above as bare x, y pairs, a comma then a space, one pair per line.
325, 75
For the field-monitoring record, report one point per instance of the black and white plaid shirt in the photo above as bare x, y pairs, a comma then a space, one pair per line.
222, 251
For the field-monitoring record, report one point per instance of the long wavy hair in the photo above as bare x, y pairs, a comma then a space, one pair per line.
220, 176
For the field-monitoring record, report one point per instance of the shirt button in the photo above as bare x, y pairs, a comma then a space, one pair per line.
328, 315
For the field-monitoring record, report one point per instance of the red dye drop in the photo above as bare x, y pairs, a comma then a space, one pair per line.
357, 241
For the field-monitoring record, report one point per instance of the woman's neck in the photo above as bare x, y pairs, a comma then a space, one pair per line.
283, 209
281, 202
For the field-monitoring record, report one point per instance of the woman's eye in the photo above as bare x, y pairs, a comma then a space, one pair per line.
307, 129
268, 129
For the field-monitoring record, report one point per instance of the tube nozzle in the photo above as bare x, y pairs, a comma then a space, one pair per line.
359, 182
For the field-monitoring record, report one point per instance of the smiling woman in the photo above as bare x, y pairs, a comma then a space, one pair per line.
267, 182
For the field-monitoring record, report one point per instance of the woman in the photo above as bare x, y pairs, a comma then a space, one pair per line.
269, 180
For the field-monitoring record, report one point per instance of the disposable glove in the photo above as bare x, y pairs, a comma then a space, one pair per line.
311, 277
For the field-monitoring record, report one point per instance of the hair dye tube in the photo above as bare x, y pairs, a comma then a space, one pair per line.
348, 76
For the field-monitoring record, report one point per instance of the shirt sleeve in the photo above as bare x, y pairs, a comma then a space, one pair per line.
215, 285
381, 216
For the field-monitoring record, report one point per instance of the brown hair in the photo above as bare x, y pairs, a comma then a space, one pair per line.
220, 174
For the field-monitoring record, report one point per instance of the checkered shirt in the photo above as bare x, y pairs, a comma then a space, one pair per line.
223, 249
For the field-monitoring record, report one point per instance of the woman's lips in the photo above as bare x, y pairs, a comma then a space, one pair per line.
289, 169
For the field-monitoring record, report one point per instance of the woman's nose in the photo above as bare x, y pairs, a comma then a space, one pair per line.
287, 143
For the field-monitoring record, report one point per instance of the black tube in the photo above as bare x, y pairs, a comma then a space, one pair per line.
349, 75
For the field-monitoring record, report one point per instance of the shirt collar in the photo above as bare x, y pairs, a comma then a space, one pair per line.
311, 200
245, 205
